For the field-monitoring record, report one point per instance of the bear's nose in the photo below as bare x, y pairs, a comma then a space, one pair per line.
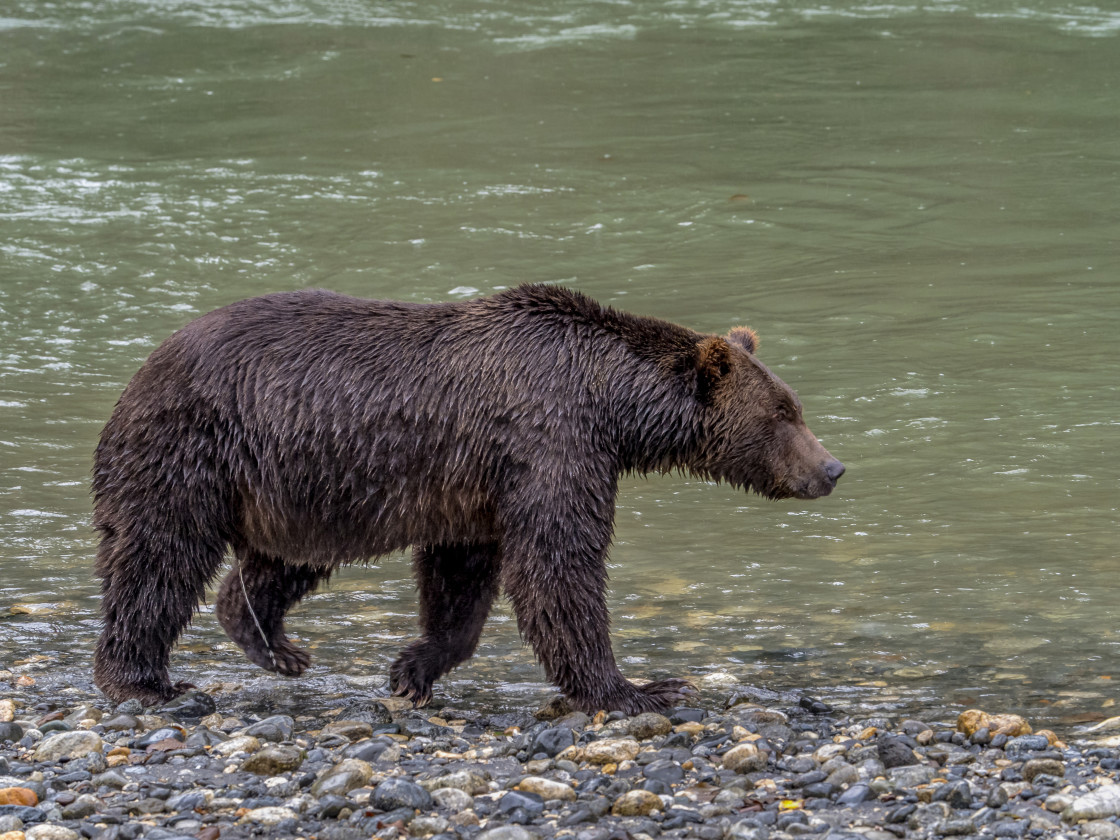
834, 469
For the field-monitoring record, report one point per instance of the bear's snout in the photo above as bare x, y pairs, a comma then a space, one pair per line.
828, 474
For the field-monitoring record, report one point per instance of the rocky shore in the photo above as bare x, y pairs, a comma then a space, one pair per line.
760, 767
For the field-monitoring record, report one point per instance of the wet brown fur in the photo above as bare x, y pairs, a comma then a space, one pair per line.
306, 430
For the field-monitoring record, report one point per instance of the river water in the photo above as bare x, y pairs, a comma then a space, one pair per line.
915, 205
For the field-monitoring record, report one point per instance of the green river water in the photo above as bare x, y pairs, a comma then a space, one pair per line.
917, 206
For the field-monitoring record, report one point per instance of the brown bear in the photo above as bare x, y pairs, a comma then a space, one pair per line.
305, 430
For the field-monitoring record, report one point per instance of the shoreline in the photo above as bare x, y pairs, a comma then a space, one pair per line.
73, 765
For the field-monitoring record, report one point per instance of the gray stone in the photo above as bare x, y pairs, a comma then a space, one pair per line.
80, 808
664, 770
1101, 829
191, 705
530, 803
893, 752
857, 793
452, 799
427, 826
1037, 766
843, 775
553, 741
48, 831
956, 795
507, 832
648, 725
348, 774
465, 780
276, 728
273, 760
1099, 804
400, 793
68, 745
747, 830
912, 776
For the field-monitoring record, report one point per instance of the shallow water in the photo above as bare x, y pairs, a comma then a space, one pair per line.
915, 207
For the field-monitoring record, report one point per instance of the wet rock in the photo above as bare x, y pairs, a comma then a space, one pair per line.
1098, 804
972, 720
1038, 766
664, 770
269, 815
956, 795
912, 775
47, 831
276, 728
553, 741
1056, 802
351, 730
348, 774
610, 751
241, 743
18, 796
547, 789
465, 780
636, 803
68, 745
427, 826
10, 732
190, 706
452, 799
1021, 745
80, 808
648, 725
530, 803
857, 793
163, 733
120, 723
273, 760
894, 752
506, 832
745, 758
400, 793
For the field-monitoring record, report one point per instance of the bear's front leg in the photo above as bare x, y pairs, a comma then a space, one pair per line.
458, 585
554, 572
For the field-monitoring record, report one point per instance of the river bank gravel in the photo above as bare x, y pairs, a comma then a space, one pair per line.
761, 766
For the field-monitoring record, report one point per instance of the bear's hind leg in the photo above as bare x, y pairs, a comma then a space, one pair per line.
458, 585
252, 602
152, 579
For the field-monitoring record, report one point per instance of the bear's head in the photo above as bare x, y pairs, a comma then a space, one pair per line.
756, 434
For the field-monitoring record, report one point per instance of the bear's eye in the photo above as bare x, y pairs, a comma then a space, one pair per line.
782, 414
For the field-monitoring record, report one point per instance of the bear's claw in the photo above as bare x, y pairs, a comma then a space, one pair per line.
656, 696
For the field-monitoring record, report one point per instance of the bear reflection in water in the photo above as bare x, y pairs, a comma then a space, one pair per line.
307, 430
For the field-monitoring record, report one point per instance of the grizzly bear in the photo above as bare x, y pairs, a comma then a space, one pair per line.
306, 430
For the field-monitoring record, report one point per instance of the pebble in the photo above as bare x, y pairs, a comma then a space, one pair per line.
648, 725
745, 758
347, 775
744, 771
240, 744
636, 803
69, 745
610, 751
396, 793
1098, 804
269, 815
547, 789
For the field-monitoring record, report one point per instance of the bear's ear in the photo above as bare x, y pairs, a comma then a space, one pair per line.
744, 337
713, 361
